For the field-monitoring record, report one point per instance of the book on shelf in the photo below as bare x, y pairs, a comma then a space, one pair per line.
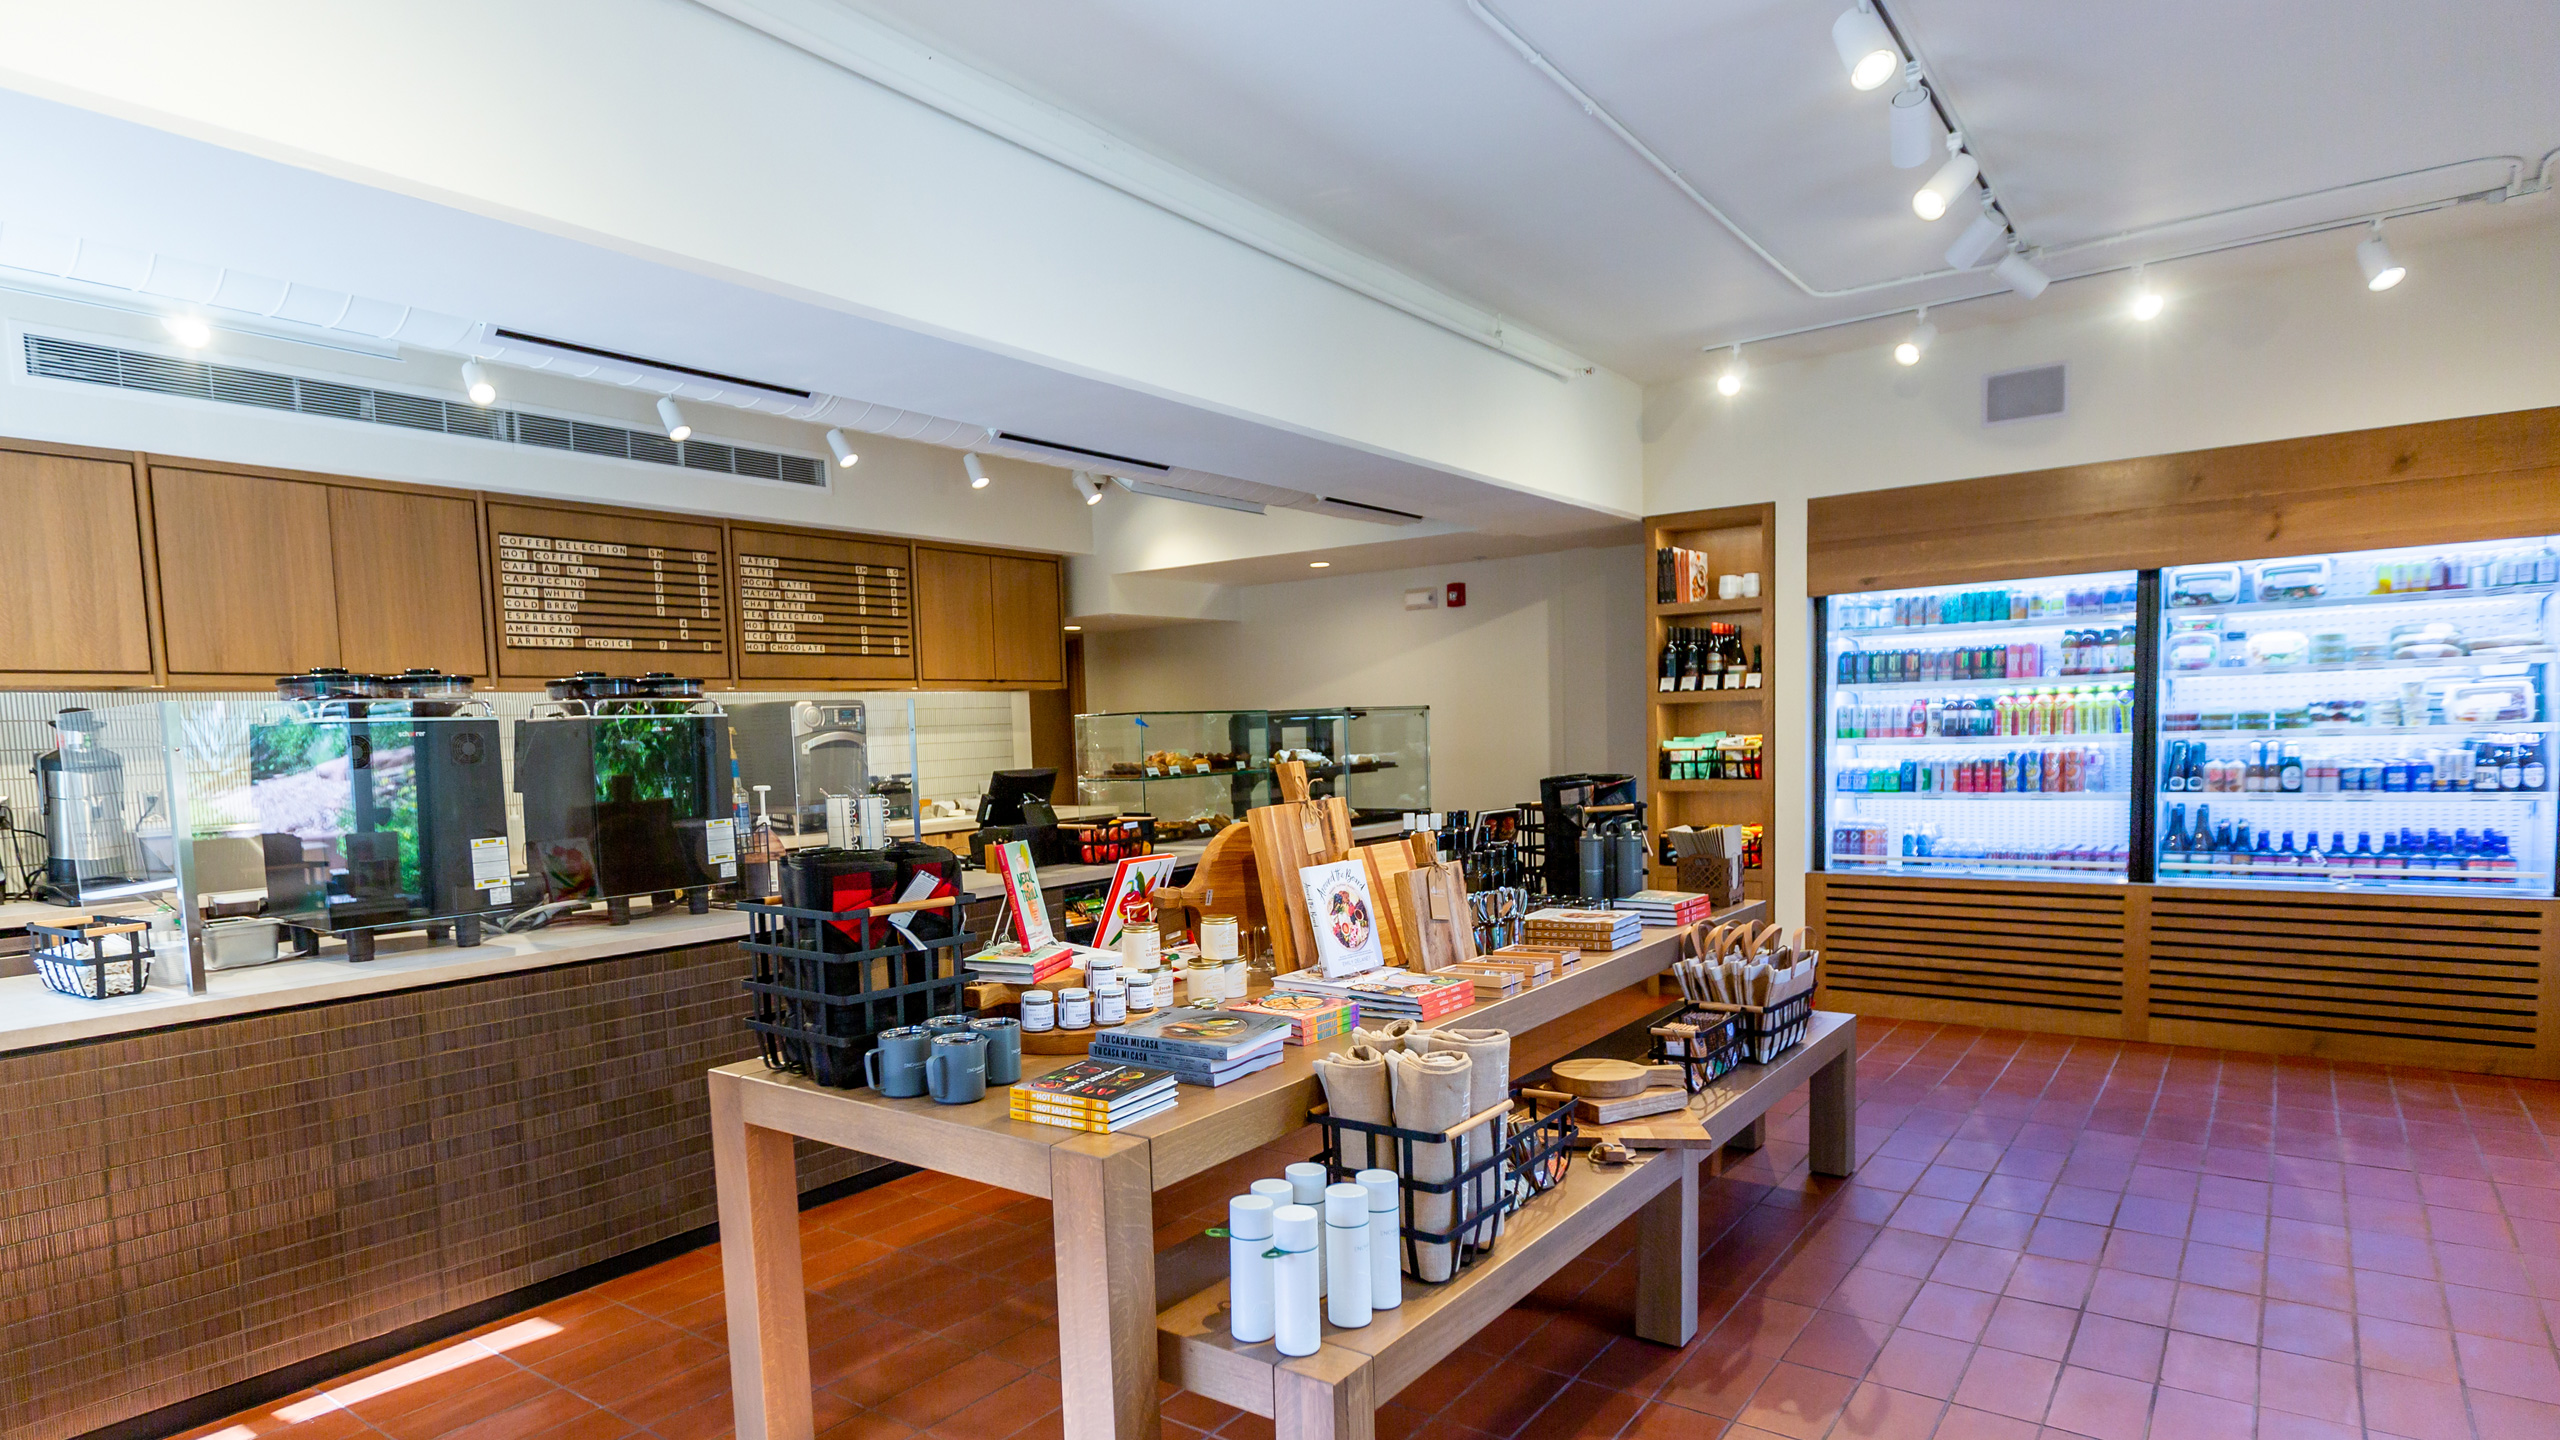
1013, 965
1667, 907
1586, 929
1202, 1073
1680, 576
1038, 1113
1311, 1018
1388, 994
1492, 982
1098, 1086
1202, 1034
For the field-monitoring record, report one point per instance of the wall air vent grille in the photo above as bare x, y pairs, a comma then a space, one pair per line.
2023, 394
52, 358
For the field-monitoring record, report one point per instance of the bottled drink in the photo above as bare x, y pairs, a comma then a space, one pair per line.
2173, 845
1667, 673
2289, 772
1752, 680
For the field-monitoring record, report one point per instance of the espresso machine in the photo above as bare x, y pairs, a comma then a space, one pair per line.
90, 850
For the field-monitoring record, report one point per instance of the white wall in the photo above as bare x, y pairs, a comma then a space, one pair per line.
897, 489
1538, 675
661, 130
2244, 356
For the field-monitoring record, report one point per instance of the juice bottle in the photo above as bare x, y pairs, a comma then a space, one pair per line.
2070, 771
2006, 707
2040, 713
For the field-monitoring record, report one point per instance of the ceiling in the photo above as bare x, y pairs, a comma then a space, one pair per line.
1414, 132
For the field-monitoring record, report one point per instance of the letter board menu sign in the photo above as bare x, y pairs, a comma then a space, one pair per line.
586, 591
822, 607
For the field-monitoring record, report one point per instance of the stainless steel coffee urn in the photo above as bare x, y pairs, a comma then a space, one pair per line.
87, 843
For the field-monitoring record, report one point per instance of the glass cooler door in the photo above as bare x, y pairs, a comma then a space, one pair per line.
2371, 720
1982, 729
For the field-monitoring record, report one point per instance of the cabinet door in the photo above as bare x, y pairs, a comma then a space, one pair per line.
247, 587
584, 589
73, 555
408, 579
955, 620
1027, 637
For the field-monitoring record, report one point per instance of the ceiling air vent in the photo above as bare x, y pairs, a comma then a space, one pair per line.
52, 358
2022, 395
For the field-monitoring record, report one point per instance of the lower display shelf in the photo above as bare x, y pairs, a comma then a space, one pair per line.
2329, 878
2111, 867
2353, 797
2111, 797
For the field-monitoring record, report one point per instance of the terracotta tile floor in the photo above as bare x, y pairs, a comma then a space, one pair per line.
2046, 1238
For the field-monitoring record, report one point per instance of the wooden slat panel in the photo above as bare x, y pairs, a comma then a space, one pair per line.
2001, 953
2405, 980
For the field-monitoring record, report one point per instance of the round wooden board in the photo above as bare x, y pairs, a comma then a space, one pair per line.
1057, 1042
1601, 1079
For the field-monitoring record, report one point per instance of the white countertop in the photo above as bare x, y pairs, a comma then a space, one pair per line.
32, 1015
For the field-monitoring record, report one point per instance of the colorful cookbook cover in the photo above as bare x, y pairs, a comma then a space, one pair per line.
1203, 1032
1096, 1083
1345, 921
1132, 881
1022, 892
1311, 1017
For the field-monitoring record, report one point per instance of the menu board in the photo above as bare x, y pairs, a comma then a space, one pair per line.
606, 592
814, 606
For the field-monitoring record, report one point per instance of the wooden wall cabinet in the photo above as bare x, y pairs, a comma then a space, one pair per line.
409, 589
78, 608
248, 584
987, 619
1736, 540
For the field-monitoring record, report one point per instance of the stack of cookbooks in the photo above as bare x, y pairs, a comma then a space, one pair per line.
1098, 1095
1312, 1017
1011, 964
1582, 929
1387, 994
1200, 1044
1666, 907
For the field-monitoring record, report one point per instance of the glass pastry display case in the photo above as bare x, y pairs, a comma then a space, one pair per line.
2377, 719
1983, 729
1195, 771
1377, 757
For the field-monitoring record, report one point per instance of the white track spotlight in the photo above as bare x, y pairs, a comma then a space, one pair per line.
2020, 274
189, 330
840, 445
1915, 127
1866, 48
475, 383
2147, 302
977, 470
1916, 344
673, 419
2381, 272
1979, 242
1730, 382
1085, 487
1931, 200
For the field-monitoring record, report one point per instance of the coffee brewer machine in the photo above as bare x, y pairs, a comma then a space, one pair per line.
90, 849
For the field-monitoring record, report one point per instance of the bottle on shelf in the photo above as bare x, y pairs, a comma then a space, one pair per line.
1752, 681
1667, 670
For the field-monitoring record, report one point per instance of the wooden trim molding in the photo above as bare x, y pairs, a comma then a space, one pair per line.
2479, 477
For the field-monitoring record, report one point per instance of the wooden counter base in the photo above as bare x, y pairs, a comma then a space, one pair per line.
2457, 982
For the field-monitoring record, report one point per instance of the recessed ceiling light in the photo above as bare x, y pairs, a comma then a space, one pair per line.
1917, 343
476, 384
1319, 564
1730, 382
1866, 48
2147, 302
677, 429
977, 471
1071, 629
2381, 272
189, 330
840, 445
1932, 199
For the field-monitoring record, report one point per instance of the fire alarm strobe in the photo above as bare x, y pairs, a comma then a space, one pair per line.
1457, 594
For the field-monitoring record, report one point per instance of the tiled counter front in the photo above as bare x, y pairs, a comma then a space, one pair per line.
191, 1207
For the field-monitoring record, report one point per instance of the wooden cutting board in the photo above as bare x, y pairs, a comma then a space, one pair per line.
1224, 882
1287, 838
1612, 1079
1388, 863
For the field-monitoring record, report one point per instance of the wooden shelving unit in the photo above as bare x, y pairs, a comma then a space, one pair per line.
1738, 539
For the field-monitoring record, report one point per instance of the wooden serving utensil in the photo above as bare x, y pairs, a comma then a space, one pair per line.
1611, 1079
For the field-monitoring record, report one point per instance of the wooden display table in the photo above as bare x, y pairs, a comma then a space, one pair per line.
1334, 1393
1101, 1191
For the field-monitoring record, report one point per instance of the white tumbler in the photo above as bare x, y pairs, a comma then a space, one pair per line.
1293, 1288
1248, 1268
1306, 1187
1346, 1256
1386, 1239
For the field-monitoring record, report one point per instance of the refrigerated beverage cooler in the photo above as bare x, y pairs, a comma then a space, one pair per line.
2374, 720
1983, 730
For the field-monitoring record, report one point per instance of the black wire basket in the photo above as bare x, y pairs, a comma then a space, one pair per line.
1762, 1033
1706, 1056
1531, 1161
826, 983
93, 959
